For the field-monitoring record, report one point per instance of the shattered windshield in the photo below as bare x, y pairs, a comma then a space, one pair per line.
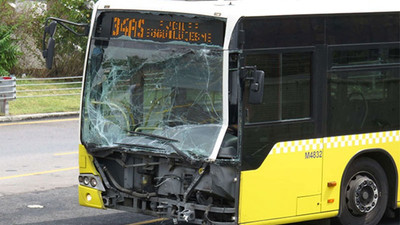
143, 95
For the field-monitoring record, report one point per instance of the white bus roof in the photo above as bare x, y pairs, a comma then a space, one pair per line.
239, 8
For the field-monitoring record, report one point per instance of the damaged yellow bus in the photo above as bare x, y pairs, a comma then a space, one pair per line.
243, 112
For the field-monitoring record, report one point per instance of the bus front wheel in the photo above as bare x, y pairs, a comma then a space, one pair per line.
364, 193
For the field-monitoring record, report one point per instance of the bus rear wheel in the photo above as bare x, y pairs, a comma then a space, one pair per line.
364, 194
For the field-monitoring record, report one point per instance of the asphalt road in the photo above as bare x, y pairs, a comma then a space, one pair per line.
48, 147
38, 177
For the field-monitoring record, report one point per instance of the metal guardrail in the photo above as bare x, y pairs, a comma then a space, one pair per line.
7, 93
7, 88
10, 89
42, 82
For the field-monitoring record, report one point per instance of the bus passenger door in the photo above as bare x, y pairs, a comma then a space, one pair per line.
281, 158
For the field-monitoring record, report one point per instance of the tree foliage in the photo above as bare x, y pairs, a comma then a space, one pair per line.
9, 51
29, 18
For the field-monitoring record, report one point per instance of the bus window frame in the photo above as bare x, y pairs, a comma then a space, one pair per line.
313, 80
349, 47
317, 104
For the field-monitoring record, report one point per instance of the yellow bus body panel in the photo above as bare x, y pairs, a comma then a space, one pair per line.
295, 219
284, 182
86, 162
292, 182
95, 200
86, 165
338, 151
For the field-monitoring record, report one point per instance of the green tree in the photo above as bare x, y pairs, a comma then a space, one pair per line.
28, 20
9, 51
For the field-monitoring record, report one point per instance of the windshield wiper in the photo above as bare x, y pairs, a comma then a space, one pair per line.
167, 141
138, 146
120, 146
153, 136
180, 153
105, 148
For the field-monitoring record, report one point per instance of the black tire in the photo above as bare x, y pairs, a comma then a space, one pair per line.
364, 193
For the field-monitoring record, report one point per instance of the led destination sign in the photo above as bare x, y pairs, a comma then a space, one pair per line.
168, 28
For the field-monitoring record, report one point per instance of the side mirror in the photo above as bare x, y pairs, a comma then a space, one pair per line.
256, 87
51, 29
48, 53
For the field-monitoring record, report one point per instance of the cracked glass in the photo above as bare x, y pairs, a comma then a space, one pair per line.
141, 95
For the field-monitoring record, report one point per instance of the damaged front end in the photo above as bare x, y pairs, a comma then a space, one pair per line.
171, 187
152, 123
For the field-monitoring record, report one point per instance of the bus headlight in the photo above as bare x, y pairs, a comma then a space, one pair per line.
93, 182
86, 180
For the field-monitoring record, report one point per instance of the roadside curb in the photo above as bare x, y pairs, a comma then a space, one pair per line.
37, 116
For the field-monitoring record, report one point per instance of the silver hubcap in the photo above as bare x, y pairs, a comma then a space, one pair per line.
362, 195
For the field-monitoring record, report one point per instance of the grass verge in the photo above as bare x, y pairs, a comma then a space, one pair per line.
34, 104
44, 105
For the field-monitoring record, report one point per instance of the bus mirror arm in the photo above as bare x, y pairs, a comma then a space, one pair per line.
50, 29
256, 78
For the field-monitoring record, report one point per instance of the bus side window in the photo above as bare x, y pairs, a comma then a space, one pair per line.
363, 100
287, 89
